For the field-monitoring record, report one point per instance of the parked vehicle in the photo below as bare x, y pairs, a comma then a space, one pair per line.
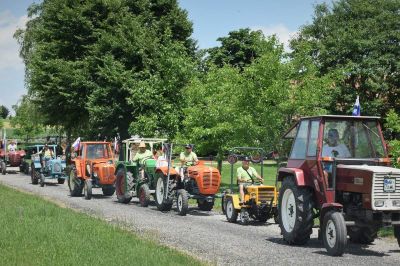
260, 201
338, 171
92, 166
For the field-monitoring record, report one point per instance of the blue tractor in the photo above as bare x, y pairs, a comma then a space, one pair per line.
45, 167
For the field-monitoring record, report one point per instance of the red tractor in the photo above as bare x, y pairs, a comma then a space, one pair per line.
338, 171
10, 158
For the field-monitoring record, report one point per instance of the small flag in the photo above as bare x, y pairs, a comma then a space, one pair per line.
76, 144
357, 107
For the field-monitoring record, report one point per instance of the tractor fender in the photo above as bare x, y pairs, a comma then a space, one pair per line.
235, 200
164, 170
326, 207
37, 165
119, 166
297, 173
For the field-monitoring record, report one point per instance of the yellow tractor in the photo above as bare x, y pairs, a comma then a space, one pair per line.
260, 201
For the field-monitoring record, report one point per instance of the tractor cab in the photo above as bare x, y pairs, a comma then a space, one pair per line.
340, 167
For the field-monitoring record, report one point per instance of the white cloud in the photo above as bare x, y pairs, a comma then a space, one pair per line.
281, 31
9, 48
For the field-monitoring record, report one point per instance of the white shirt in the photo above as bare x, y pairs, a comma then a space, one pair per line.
12, 147
339, 151
161, 161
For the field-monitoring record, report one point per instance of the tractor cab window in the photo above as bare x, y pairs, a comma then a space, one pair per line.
299, 145
98, 151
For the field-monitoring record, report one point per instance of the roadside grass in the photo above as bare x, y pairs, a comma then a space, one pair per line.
38, 232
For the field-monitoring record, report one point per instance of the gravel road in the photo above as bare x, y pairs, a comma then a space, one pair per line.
208, 235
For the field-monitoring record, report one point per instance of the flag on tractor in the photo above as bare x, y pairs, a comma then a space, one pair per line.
357, 107
76, 144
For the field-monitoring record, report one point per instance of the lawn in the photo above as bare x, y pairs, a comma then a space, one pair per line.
37, 232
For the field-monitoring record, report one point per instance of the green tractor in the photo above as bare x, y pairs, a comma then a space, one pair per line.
133, 178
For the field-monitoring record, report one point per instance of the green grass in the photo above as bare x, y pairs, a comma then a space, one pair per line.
37, 232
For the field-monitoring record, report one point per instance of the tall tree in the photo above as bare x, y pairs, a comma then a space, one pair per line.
359, 41
4, 112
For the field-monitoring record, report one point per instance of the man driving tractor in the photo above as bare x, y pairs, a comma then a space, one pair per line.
187, 158
141, 156
246, 175
47, 154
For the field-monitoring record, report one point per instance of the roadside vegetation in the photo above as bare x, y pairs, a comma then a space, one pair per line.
38, 232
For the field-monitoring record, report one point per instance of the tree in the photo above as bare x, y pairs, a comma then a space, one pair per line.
357, 40
4, 112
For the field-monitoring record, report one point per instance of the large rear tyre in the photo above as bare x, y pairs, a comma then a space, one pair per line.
295, 212
205, 205
397, 233
75, 184
362, 235
121, 188
182, 202
230, 211
144, 195
334, 233
42, 179
60, 181
3, 168
87, 189
108, 190
162, 203
35, 176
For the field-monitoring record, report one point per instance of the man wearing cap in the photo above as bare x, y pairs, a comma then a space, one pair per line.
333, 148
188, 157
245, 176
141, 156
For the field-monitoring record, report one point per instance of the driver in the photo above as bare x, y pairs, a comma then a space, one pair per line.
187, 158
12, 146
332, 148
47, 154
245, 176
141, 156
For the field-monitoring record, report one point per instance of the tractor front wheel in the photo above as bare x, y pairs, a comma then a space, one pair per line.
295, 212
60, 181
42, 179
144, 195
121, 187
397, 234
108, 190
74, 183
162, 203
182, 202
35, 175
334, 233
3, 168
204, 205
231, 212
26, 168
87, 189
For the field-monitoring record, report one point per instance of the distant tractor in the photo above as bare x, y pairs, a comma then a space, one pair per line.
200, 182
260, 201
338, 171
10, 158
45, 168
129, 182
92, 167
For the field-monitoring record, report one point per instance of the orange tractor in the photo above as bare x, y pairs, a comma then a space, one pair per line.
93, 166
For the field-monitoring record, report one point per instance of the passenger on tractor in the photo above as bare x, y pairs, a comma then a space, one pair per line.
47, 154
245, 176
161, 159
187, 158
141, 156
12, 146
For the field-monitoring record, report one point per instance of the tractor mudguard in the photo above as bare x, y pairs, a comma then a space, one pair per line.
295, 172
235, 200
164, 170
326, 207
37, 165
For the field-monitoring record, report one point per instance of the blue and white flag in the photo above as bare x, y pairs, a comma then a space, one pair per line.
357, 107
76, 144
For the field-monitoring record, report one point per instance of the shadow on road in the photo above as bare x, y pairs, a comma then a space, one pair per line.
353, 249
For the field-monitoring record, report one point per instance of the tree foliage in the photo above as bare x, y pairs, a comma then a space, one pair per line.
4, 112
359, 41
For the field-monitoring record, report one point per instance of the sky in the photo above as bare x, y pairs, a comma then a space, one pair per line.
211, 19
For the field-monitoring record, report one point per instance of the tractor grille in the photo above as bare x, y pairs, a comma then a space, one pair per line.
108, 172
265, 194
377, 187
56, 168
210, 180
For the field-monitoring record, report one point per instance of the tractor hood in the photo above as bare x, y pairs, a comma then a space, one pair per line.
370, 168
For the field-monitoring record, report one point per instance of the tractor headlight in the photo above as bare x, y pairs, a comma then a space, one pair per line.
253, 195
379, 203
396, 203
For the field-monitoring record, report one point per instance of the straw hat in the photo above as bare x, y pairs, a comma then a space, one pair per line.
142, 145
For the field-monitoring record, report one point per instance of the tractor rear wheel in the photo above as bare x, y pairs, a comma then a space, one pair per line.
363, 235
74, 183
182, 202
121, 189
35, 175
334, 233
144, 195
87, 189
108, 190
231, 212
3, 168
223, 204
295, 212
162, 203
60, 180
397, 233
42, 179
204, 205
